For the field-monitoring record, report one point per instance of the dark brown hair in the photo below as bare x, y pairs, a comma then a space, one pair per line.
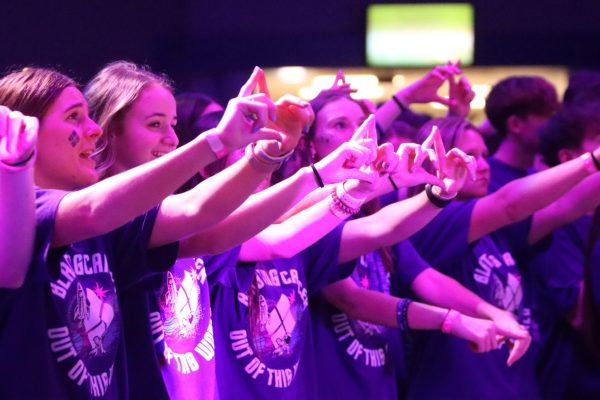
33, 90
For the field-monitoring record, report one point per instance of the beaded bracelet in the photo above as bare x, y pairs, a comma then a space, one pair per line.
347, 198
436, 200
402, 314
339, 208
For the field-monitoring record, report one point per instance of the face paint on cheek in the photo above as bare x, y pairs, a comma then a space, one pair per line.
74, 138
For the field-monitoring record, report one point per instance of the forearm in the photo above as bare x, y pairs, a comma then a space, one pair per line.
112, 202
293, 235
388, 112
17, 225
524, 196
584, 197
253, 216
388, 226
207, 204
440, 290
380, 308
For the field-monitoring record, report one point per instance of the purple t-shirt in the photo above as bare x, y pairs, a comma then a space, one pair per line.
443, 366
260, 354
357, 352
182, 325
502, 173
62, 330
566, 368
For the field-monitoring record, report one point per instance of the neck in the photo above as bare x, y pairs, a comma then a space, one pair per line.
47, 183
514, 154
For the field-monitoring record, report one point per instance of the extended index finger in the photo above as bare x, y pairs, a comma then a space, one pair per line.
262, 83
438, 146
365, 129
251, 83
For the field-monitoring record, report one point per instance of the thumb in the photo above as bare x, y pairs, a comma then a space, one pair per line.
515, 333
268, 133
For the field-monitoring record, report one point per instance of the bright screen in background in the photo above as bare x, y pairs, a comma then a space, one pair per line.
419, 35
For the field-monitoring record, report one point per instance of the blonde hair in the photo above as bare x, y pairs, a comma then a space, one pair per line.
110, 93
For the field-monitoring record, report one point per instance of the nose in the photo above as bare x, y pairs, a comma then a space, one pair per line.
170, 138
482, 164
93, 130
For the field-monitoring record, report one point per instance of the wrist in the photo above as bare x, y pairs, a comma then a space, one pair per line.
343, 204
215, 144
402, 314
437, 197
257, 162
449, 321
590, 162
20, 165
403, 97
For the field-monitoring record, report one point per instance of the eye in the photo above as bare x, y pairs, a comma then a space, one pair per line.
340, 125
154, 124
73, 116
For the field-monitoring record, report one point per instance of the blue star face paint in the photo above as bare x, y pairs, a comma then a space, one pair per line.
74, 138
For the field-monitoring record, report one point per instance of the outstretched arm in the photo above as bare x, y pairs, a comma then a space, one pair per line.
382, 309
112, 202
584, 197
442, 291
18, 135
422, 91
261, 209
521, 198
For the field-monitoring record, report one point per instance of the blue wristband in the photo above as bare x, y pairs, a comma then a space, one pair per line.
402, 314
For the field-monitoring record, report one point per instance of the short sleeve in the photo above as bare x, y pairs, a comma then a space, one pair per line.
445, 238
135, 261
409, 264
46, 204
321, 260
224, 269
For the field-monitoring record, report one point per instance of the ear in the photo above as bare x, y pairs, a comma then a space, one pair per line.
514, 124
565, 155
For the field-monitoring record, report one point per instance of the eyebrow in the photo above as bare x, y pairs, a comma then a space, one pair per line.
72, 106
158, 115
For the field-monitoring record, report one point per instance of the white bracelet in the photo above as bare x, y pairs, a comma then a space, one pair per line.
347, 198
275, 159
215, 144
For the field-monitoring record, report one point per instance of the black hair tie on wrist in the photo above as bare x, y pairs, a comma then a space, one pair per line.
595, 160
434, 199
400, 104
393, 182
317, 176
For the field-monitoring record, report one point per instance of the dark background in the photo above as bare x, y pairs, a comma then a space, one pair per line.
213, 45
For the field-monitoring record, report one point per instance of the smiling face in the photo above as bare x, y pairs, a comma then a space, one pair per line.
67, 138
146, 131
335, 124
472, 143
